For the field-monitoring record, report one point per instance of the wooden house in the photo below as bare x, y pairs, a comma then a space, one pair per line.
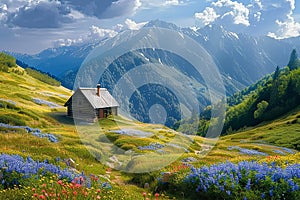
90, 104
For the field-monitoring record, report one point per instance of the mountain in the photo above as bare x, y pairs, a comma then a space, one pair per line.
57, 60
242, 59
271, 97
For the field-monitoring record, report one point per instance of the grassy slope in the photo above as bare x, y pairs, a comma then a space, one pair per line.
266, 137
21, 88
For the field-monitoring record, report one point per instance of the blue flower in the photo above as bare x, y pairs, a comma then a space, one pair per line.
271, 192
248, 186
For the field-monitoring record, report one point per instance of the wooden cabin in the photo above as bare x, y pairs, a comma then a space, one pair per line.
90, 104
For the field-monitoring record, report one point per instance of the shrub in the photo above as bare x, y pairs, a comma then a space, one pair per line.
7, 60
7, 104
29, 114
12, 119
42, 77
23, 96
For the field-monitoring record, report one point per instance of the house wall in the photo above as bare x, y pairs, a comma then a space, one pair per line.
114, 111
80, 108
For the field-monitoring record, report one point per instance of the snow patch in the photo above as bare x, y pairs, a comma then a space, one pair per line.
144, 57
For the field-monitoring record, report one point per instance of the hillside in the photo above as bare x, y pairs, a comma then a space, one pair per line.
241, 60
273, 96
129, 146
27, 100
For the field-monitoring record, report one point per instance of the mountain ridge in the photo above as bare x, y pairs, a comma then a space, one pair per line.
271, 97
240, 57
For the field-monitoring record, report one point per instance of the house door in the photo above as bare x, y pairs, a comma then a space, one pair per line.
101, 113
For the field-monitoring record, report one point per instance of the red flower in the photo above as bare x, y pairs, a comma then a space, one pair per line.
156, 196
60, 182
98, 191
35, 194
42, 196
144, 194
43, 191
74, 192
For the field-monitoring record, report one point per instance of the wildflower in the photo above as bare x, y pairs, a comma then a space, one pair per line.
35, 194
271, 193
156, 196
33, 189
98, 191
248, 184
144, 194
98, 197
42, 197
75, 192
60, 182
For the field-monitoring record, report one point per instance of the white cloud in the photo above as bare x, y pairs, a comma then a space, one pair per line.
37, 14
3, 12
97, 33
288, 28
132, 25
66, 42
121, 8
162, 3
284, 23
172, 2
259, 17
208, 16
57, 13
226, 13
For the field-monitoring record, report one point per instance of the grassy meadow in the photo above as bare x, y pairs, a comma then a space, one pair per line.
91, 146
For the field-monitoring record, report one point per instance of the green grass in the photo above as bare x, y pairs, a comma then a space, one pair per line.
90, 144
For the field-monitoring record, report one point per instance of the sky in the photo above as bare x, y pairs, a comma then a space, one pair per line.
30, 26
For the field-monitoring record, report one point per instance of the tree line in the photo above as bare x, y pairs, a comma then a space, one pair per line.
269, 98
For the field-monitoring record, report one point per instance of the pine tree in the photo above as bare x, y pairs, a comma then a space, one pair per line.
294, 62
276, 73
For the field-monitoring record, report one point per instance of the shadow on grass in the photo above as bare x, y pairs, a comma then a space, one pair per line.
62, 118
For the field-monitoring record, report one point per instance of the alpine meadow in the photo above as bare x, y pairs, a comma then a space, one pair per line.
149, 100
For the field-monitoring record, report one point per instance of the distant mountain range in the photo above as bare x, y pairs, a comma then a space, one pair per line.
242, 59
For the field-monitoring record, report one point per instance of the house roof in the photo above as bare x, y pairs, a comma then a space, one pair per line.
105, 100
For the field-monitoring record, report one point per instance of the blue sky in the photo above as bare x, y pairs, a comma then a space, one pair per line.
29, 26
